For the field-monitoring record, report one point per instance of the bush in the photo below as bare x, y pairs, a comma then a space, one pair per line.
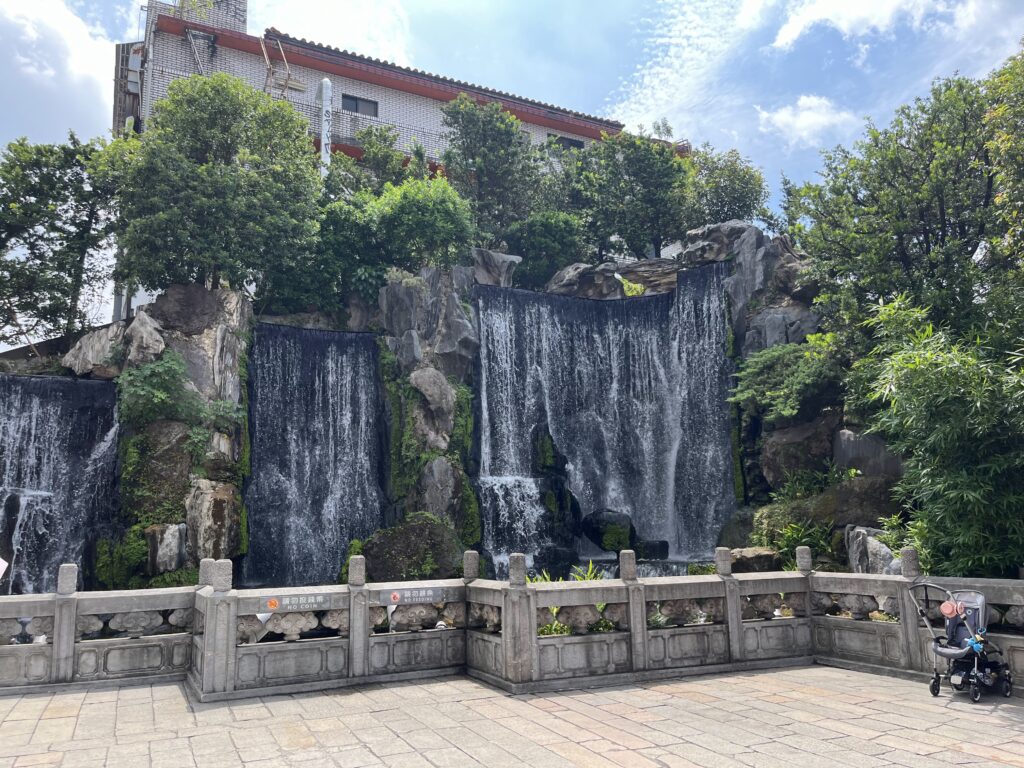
790, 381
155, 391
548, 241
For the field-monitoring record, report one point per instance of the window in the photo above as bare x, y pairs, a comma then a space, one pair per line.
565, 142
356, 104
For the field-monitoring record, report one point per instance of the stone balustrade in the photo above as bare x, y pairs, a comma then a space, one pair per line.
520, 636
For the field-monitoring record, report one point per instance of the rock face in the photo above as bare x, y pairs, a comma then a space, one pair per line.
434, 422
438, 488
493, 268
859, 501
422, 547
610, 530
866, 453
867, 554
145, 344
96, 353
167, 544
213, 513
598, 281
802, 447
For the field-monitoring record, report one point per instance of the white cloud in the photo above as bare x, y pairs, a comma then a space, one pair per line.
379, 29
853, 18
860, 58
808, 122
54, 43
689, 46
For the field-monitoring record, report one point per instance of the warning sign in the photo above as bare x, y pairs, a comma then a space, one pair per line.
408, 596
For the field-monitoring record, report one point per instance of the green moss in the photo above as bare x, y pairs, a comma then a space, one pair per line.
461, 444
243, 527
701, 569
545, 450
183, 577
148, 495
615, 538
122, 564
738, 483
355, 547
470, 532
551, 502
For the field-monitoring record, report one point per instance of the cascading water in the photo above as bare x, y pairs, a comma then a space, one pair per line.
314, 404
632, 393
58, 489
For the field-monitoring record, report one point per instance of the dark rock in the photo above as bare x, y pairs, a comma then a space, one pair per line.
422, 547
401, 305
856, 501
457, 341
409, 351
651, 550
610, 530
438, 488
167, 545
494, 268
787, 324
213, 514
433, 424
598, 281
713, 242
736, 531
866, 453
803, 447
190, 309
755, 560
867, 554
557, 561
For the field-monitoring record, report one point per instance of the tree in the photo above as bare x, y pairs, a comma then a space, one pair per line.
547, 241
385, 163
223, 186
955, 409
725, 186
55, 217
491, 164
1006, 121
905, 211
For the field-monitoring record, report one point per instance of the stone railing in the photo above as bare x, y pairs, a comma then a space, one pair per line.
519, 636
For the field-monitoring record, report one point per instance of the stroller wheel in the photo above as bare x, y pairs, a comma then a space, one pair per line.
975, 693
933, 686
1007, 687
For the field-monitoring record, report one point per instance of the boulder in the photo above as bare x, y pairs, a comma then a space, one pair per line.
856, 501
97, 353
220, 459
867, 554
421, 547
145, 342
409, 350
790, 323
714, 242
755, 560
438, 488
401, 306
655, 549
167, 547
433, 423
494, 268
866, 453
189, 308
213, 514
802, 447
737, 529
610, 530
165, 473
598, 281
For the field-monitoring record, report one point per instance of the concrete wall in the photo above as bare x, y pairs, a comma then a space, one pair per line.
231, 643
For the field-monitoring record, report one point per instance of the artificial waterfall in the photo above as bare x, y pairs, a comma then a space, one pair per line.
314, 406
58, 490
632, 393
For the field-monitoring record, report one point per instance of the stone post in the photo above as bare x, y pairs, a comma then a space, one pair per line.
805, 564
637, 609
733, 603
220, 606
518, 623
909, 618
65, 614
358, 617
470, 565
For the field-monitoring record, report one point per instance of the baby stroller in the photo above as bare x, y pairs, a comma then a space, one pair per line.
965, 646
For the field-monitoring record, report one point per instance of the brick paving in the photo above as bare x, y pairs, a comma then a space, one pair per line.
812, 716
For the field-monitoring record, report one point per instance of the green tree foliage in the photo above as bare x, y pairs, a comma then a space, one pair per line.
725, 186
492, 164
905, 211
954, 407
547, 241
55, 221
1005, 120
223, 185
791, 381
381, 157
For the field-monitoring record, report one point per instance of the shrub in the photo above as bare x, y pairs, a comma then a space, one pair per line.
155, 391
548, 241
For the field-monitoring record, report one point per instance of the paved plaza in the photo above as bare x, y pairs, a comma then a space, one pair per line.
810, 716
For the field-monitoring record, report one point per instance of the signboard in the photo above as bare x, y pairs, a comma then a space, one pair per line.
409, 596
287, 603
325, 101
3, 567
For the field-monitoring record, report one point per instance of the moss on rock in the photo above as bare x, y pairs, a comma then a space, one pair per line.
421, 547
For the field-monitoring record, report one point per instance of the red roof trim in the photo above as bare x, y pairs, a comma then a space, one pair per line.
324, 60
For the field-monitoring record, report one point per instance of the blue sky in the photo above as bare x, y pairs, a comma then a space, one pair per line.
777, 80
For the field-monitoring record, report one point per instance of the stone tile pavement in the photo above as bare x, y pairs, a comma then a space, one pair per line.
812, 716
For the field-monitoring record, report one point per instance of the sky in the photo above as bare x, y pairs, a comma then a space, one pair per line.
779, 80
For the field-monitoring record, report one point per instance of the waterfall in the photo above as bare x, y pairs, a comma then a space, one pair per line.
314, 405
58, 490
633, 395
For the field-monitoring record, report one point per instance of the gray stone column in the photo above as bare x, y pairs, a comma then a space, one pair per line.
518, 623
637, 609
470, 565
910, 621
733, 603
805, 564
359, 618
221, 611
65, 615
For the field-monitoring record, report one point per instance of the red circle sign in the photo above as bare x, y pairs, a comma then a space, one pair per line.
395, 597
